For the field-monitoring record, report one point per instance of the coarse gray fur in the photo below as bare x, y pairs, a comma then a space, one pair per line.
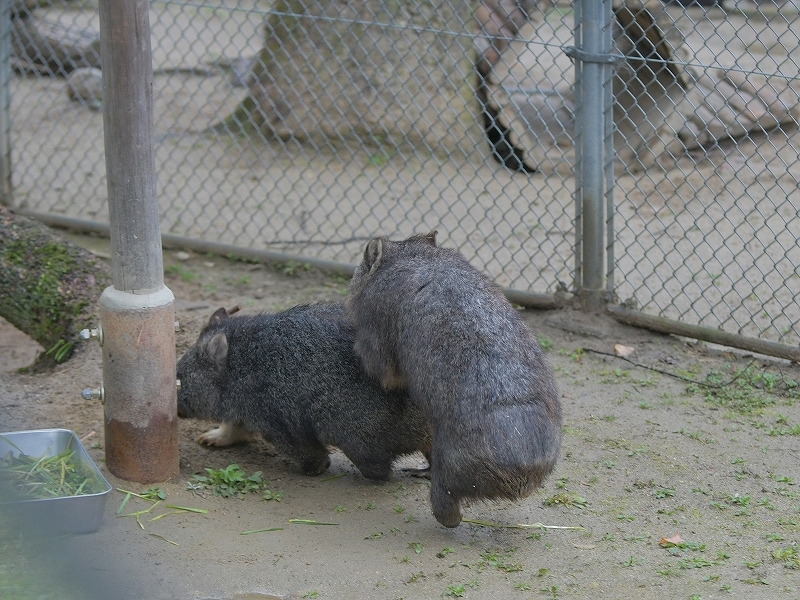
429, 322
293, 377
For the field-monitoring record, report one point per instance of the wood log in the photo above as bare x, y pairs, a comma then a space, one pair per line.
49, 287
718, 104
48, 47
747, 105
22, 8
778, 111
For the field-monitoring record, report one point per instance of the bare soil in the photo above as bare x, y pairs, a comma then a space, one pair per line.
646, 456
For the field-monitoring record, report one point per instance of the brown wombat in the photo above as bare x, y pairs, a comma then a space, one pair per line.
293, 377
428, 322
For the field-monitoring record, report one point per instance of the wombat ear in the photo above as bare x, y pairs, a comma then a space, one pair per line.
373, 254
217, 349
219, 315
431, 237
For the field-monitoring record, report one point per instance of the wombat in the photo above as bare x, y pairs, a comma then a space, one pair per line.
293, 378
429, 322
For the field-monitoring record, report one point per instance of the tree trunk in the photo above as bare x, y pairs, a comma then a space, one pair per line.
48, 286
365, 70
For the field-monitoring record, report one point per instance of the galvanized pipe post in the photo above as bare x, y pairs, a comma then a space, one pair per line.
5, 103
593, 69
136, 312
609, 155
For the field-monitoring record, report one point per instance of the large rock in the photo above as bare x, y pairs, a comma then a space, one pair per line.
85, 85
365, 70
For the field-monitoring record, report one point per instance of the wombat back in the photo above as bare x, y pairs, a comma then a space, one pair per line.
294, 378
429, 322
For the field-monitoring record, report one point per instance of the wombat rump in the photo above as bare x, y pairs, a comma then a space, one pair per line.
429, 322
293, 377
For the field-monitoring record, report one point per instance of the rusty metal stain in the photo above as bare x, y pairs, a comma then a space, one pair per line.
142, 454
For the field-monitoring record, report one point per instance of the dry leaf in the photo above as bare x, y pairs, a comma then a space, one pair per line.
623, 351
670, 541
584, 546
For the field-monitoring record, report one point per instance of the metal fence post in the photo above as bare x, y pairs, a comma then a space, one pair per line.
593, 60
136, 312
5, 102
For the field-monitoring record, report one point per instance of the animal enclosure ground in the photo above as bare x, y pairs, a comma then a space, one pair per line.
645, 456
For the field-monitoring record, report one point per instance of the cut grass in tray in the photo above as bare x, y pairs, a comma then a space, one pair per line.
24, 477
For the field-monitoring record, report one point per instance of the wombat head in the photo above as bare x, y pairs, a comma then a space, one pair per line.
380, 249
201, 371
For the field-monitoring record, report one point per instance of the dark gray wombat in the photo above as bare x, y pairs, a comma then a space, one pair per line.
294, 378
428, 322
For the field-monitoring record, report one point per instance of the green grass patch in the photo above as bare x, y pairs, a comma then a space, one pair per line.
181, 272
499, 560
749, 390
292, 267
566, 499
229, 482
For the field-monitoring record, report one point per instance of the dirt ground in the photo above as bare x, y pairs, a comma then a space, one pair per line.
646, 456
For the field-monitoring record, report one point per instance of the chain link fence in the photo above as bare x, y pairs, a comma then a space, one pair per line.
306, 128
713, 237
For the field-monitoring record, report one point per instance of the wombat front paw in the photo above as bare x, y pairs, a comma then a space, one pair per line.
225, 435
421, 473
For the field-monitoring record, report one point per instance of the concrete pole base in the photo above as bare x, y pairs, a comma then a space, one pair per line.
593, 300
141, 421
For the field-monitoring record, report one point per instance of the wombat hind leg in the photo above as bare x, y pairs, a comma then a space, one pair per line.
445, 506
225, 435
